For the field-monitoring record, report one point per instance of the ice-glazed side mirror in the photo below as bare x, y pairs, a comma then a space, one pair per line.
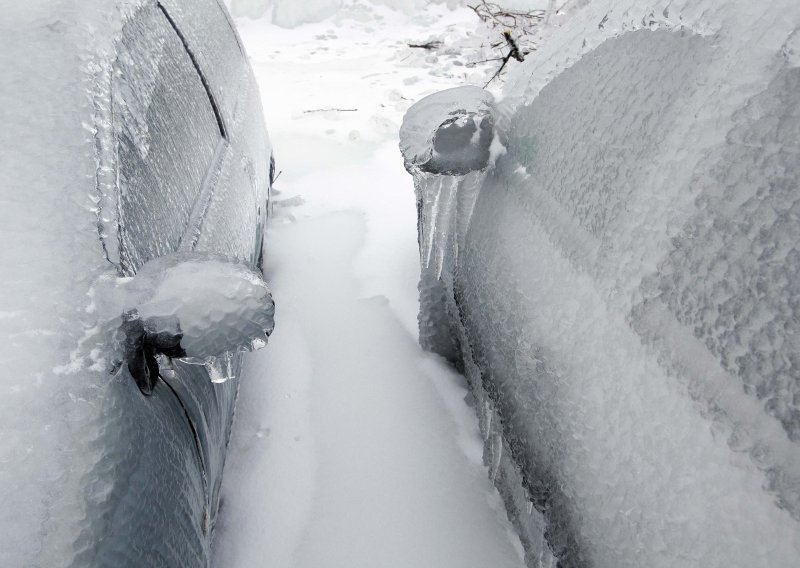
449, 133
197, 307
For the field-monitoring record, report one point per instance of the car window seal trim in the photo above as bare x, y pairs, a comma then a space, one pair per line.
202, 203
217, 114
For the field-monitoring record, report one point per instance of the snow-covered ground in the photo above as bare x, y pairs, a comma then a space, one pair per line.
352, 447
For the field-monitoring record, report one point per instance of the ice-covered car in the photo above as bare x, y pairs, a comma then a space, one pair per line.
617, 270
135, 183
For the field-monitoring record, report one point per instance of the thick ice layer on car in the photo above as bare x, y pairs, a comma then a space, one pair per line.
447, 140
84, 458
624, 295
221, 305
449, 132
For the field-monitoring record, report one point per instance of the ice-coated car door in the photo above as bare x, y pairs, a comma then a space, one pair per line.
152, 499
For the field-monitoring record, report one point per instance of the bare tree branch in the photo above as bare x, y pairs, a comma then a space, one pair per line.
519, 30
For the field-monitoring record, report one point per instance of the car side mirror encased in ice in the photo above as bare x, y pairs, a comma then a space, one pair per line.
449, 133
196, 307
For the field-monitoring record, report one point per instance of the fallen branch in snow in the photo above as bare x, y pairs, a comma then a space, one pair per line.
513, 52
520, 27
486, 60
497, 16
330, 110
427, 45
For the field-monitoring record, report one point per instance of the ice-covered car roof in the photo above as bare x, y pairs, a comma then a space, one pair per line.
728, 21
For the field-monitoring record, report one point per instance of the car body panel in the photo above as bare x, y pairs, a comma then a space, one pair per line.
93, 472
619, 288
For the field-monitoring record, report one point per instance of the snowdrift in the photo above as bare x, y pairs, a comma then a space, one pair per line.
293, 13
621, 286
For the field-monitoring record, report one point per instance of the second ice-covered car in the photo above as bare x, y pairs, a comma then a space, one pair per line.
135, 191
618, 279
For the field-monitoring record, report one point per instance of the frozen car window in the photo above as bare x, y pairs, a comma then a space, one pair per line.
167, 133
238, 202
212, 39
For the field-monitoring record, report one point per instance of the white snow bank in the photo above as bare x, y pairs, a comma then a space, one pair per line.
387, 476
293, 13
285, 13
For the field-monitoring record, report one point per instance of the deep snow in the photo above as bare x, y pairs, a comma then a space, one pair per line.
352, 447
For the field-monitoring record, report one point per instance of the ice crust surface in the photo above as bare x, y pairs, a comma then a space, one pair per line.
90, 473
210, 307
221, 305
448, 132
623, 294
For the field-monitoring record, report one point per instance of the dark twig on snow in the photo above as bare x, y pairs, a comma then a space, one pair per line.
513, 52
427, 45
330, 110
497, 16
487, 60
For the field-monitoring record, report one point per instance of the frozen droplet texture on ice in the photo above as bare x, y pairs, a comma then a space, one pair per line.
112, 156
624, 295
221, 306
449, 132
447, 139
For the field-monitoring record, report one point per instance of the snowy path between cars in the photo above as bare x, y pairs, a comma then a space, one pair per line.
352, 447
